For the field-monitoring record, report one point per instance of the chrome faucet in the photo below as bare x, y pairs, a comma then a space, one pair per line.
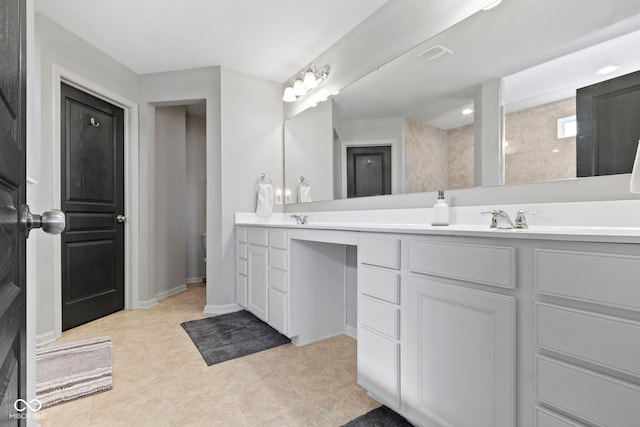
499, 219
300, 219
521, 219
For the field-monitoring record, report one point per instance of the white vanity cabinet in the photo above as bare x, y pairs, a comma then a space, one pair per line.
379, 317
262, 274
464, 329
459, 341
588, 332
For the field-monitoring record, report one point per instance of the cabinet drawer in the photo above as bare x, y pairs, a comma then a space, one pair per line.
597, 398
278, 239
258, 236
380, 316
241, 266
278, 279
379, 366
546, 418
608, 341
379, 283
608, 279
241, 250
382, 252
489, 265
241, 234
278, 258
278, 310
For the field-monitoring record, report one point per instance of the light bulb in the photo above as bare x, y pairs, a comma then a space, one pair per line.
289, 96
310, 81
298, 88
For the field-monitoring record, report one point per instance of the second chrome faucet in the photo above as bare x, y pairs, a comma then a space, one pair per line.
500, 219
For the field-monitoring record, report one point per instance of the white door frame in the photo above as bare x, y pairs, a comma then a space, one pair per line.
131, 186
370, 143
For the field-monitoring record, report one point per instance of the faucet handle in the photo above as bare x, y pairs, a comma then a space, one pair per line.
494, 217
521, 219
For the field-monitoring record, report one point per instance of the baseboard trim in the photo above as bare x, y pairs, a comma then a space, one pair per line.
351, 331
222, 309
172, 291
190, 280
147, 304
45, 338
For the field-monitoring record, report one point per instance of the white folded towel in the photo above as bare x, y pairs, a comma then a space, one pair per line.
265, 200
304, 193
635, 174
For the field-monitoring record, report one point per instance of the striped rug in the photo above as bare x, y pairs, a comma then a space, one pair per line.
70, 371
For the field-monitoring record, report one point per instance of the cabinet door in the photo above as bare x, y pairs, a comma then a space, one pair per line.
278, 310
257, 270
379, 366
460, 356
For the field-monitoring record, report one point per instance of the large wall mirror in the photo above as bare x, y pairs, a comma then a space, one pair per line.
529, 91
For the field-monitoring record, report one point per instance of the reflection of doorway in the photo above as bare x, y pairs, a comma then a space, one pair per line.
396, 169
608, 126
368, 171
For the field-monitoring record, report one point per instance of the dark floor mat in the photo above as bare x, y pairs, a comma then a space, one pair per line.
228, 336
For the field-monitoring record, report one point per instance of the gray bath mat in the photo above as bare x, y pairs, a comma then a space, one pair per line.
232, 335
379, 417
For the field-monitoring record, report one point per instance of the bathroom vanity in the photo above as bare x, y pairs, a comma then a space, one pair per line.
463, 325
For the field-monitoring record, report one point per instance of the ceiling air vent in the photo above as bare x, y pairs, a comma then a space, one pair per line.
434, 53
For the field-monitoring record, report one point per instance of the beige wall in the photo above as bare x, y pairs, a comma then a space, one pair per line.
426, 161
460, 157
531, 137
438, 158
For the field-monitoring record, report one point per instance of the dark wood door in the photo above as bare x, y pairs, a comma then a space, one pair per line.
608, 126
368, 171
92, 199
12, 197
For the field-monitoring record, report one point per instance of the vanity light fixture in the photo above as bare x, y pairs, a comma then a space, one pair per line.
608, 69
306, 81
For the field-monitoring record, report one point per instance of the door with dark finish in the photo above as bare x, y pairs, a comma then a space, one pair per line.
368, 171
92, 164
608, 126
12, 197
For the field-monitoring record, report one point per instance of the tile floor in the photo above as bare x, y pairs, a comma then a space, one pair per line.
160, 379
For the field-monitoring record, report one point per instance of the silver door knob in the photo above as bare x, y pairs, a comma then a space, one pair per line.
121, 218
52, 222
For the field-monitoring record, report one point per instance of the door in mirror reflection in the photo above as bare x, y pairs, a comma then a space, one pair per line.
368, 171
608, 125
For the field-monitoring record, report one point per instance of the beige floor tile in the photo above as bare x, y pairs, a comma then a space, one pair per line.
160, 378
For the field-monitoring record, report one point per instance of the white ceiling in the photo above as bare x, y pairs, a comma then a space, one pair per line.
273, 39
517, 35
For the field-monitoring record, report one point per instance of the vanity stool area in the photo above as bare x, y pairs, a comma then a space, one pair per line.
462, 326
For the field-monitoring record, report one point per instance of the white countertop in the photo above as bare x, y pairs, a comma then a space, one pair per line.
614, 222
593, 234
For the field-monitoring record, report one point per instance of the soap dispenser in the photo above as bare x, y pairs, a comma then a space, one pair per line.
441, 210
